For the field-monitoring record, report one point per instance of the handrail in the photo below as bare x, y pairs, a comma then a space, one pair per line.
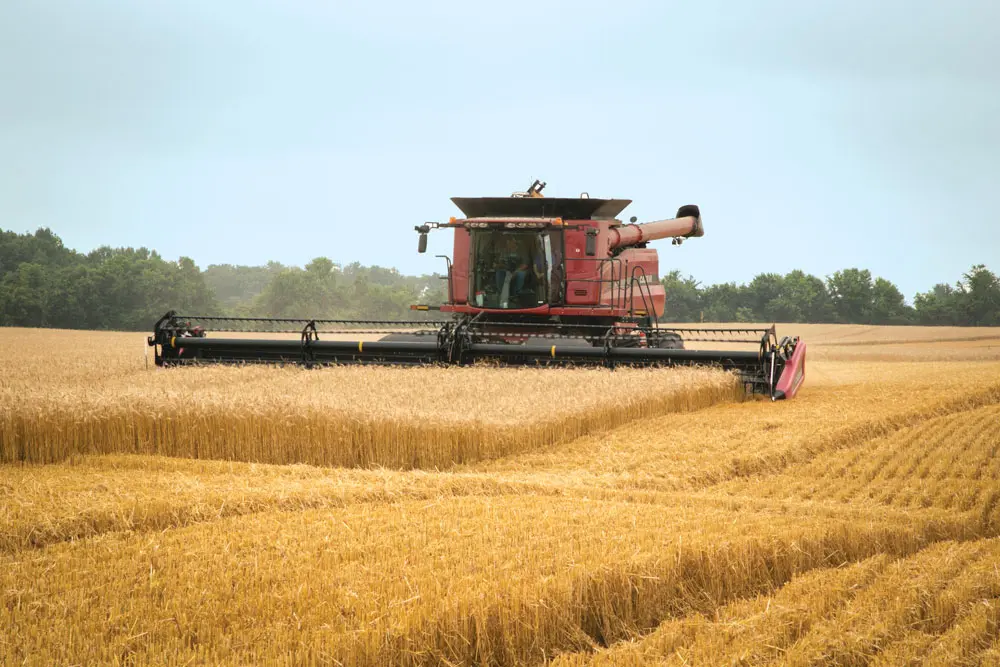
642, 280
617, 291
451, 294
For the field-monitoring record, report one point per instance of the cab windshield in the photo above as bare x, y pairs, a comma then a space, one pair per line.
511, 268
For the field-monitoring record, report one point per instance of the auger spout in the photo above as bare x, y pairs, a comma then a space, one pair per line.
685, 225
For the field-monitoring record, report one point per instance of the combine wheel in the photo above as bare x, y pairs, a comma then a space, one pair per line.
669, 341
625, 341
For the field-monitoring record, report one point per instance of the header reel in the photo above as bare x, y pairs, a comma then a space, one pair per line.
767, 366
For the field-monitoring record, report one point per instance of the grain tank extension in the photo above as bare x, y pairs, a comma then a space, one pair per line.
532, 280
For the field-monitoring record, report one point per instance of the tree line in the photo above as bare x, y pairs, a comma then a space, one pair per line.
322, 289
45, 284
850, 296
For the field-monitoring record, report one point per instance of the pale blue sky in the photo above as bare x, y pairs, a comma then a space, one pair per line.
814, 135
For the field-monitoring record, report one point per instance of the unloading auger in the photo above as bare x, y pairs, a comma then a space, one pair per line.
532, 281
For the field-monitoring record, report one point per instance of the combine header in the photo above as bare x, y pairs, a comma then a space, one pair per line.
532, 281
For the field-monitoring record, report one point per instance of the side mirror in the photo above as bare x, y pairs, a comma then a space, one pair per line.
422, 242
591, 245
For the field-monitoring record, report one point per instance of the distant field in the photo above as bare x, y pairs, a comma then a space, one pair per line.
828, 335
858, 342
857, 524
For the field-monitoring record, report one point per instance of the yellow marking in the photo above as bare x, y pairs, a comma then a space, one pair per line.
421, 307
640, 312
553, 351
361, 345
172, 341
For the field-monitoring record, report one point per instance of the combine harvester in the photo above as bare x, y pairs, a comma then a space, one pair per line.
532, 281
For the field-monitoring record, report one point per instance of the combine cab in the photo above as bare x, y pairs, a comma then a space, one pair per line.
532, 281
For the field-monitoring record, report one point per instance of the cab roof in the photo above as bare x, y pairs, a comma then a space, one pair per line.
540, 207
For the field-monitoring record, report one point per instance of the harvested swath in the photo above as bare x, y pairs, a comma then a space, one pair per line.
503, 580
850, 405
346, 416
937, 607
948, 463
44, 505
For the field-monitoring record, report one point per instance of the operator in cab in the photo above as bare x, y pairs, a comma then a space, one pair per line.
511, 265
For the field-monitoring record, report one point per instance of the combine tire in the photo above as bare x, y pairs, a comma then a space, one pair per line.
669, 341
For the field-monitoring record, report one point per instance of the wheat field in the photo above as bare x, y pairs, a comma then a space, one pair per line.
368, 516
67, 394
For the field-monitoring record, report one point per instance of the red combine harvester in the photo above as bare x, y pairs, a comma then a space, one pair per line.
533, 281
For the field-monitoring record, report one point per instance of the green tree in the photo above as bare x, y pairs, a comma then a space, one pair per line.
287, 295
312, 292
42, 283
722, 302
979, 297
42, 248
763, 297
939, 306
72, 298
235, 287
23, 293
851, 295
888, 304
809, 295
683, 302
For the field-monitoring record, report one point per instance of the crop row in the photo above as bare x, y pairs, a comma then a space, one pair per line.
940, 606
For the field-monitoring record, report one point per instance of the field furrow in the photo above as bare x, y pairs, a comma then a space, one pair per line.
133, 494
751, 631
925, 593
64, 502
960, 445
563, 575
934, 607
